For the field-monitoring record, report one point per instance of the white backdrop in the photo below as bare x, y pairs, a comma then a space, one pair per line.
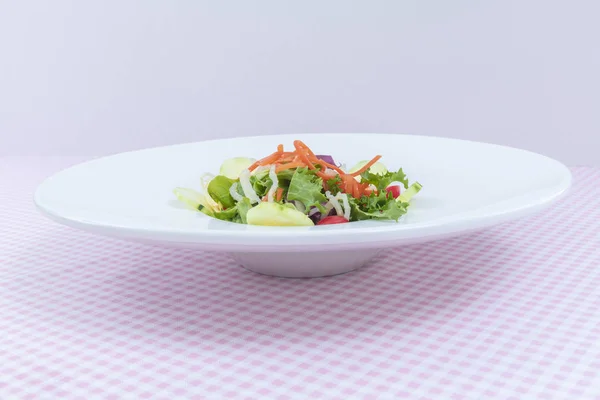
97, 77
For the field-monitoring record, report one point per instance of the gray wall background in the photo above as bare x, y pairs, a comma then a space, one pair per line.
98, 77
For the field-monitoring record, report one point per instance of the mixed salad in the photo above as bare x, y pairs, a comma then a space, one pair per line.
299, 188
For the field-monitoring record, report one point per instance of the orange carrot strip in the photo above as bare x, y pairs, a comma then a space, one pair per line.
279, 194
347, 184
300, 143
286, 155
269, 160
366, 166
259, 162
287, 158
301, 153
350, 185
362, 188
331, 166
265, 161
283, 167
323, 176
280, 148
305, 159
356, 190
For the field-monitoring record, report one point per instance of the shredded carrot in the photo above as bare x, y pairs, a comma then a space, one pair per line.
302, 153
347, 184
303, 156
356, 192
366, 166
300, 143
279, 194
326, 164
265, 161
323, 176
269, 160
288, 158
353, 189
283, 167
365, 189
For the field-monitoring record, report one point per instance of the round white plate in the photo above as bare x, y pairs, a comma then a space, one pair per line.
466, 186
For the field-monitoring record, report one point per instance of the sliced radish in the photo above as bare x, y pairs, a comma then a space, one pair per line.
334, 219
394, 190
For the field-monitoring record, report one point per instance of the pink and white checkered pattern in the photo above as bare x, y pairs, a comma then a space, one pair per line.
509, 313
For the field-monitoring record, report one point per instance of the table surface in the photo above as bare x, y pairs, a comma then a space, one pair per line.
510, 312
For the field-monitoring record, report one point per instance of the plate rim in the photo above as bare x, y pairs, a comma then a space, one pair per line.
342, 234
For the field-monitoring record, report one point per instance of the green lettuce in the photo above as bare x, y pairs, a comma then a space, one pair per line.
384, 180
242, 208
227, 215
285, 178
261, 182
377, 206
218, 189
334, 184
306, 187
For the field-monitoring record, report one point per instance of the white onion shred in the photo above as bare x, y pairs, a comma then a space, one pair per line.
209, 202
328, 208
334, 202
299, 206
234, 193
247, 187
344, 198
205, 179
274, 186
259, 169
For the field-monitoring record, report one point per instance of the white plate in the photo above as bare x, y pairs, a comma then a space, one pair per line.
466, 186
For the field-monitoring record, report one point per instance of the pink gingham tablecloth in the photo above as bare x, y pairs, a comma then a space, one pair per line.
509, 313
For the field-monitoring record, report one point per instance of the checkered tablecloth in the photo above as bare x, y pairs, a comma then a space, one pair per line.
509, 313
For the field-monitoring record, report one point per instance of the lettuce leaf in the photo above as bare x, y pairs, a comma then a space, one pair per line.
218, 189
285, 177
307, 188
384, 180
334, 184
261, 183
377, 206
242, 207
227, 215
235, 214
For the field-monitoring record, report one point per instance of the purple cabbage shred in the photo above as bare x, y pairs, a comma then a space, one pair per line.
328, 159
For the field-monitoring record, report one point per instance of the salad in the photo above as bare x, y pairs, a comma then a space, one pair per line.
299, 188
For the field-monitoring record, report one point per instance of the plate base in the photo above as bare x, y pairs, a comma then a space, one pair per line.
305, 264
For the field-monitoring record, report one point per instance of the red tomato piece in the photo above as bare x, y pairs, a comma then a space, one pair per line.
334, 219
394, 190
